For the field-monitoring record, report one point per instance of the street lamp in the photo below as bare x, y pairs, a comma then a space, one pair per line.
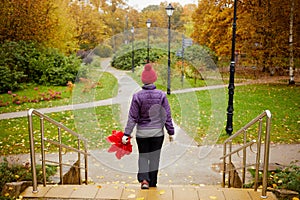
169, 10
132, 54
230, 109
148, 23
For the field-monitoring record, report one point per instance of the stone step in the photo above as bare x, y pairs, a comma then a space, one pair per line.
163, 192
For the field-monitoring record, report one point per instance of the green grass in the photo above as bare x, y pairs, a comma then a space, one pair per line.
206, 116
106, 88
95, 124
202, 114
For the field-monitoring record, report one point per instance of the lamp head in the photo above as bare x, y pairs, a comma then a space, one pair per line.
148, 23
169, 10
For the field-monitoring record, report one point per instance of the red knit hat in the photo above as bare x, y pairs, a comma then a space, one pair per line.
148, 75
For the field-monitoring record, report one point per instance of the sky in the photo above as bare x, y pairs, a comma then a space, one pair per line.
140, 4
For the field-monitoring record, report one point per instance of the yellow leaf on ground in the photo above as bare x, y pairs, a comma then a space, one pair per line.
99, 186
212, 197
140, 198
131, 196
161, 192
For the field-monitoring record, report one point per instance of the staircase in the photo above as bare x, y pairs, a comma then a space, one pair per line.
164, 192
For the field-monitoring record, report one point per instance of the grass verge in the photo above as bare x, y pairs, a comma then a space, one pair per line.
207, 117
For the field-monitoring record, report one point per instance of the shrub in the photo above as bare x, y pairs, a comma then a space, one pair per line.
53, 68
288, 178
123, 58
17, 172
14, 63
103, 51
25, 62
10, 78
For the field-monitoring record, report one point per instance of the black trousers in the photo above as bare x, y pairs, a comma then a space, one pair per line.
149, 157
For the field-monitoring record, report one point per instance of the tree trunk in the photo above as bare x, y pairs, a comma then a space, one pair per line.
291, 62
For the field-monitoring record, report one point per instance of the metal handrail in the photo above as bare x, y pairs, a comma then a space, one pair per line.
80, 140
228, 142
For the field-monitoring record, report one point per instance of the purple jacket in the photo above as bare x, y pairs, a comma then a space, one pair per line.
149, 109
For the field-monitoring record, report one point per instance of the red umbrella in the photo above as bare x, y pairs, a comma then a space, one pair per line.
117, 146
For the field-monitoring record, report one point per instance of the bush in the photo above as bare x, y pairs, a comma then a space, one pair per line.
123, 58
10, 79
103, 51
14, 64
288, 178
25, 62
17, 172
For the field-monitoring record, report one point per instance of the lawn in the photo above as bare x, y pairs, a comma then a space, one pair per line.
202, 114
93, 123
98, 86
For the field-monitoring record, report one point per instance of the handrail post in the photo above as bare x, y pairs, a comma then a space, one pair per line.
32, 152
244, 158
230, 165
43, 149
86, 163
60, 156
79, 161
257, 161
266, 154
224, 164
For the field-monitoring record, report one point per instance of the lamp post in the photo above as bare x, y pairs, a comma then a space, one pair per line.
230, 109
169, 10
148, 23
132, 54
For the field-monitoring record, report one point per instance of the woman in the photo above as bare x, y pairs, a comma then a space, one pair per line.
150, 111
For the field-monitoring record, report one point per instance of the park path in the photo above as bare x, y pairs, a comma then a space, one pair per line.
183, 162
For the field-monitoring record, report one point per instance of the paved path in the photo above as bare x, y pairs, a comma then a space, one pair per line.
183, 162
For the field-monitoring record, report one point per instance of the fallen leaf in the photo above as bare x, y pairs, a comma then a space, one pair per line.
131, 196
161, 192
140, 198
99, 186
212, 197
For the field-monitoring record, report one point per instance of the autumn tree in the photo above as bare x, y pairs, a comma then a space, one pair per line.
187, 19
212, 23
90, 28
263, 30
42, 21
